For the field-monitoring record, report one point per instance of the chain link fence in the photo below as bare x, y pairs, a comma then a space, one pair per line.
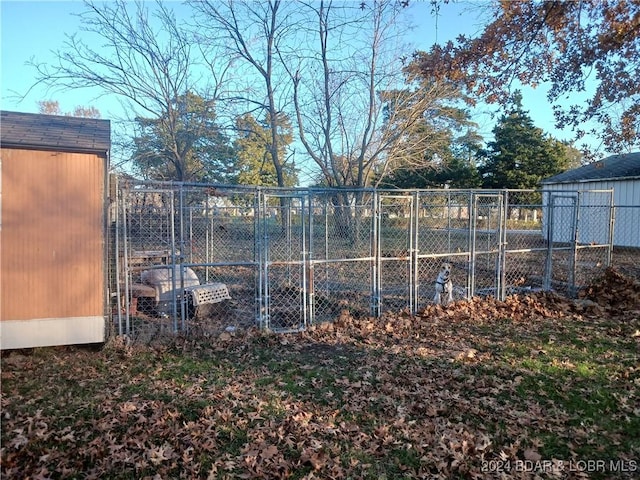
207, 258
626, 252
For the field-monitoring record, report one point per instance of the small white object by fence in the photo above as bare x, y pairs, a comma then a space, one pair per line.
163, 279
209, 293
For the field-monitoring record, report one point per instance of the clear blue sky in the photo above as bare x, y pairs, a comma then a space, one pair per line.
32, 29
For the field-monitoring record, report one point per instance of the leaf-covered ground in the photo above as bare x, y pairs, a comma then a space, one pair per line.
533, 387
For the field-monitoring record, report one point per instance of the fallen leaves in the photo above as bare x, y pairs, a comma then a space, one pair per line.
532, 379
158, 455
614, 294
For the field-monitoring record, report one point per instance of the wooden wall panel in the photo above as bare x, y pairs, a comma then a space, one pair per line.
52, 235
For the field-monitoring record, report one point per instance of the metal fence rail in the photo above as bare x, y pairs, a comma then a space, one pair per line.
291, 257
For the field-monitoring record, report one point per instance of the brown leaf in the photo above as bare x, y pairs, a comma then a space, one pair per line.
128, 407
532, 455
269, 452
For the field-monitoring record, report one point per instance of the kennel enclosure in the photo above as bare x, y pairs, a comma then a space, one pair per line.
292, 257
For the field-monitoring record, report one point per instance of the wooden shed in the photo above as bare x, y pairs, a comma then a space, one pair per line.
52, 231
620, 173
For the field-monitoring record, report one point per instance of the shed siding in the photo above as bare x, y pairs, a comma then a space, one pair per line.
52, 246
627, 224
626, 198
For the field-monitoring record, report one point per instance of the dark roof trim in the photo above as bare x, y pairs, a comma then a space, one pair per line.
34, 131
616, 167
592, 180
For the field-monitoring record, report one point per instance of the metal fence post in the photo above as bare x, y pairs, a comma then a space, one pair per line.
413, 253
181, 259
502, 244
550, 213
172, 226
473, 212
612, 221
305, 258
118, 259
575, 239
376, 263
308, 264
258, 253
264, 267
127, 273
326, 237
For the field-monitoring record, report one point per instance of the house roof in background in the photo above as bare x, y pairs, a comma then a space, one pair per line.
617, 167
52, 132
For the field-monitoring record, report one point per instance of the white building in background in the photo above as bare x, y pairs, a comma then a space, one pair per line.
620, 173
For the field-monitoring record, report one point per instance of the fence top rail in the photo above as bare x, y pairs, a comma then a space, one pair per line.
150, 185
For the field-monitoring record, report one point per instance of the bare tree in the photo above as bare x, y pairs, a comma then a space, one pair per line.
357, 110
359, 114
252, 33
145, 59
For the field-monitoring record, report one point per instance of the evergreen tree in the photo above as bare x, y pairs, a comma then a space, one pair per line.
185, 144
463, 168
520, 155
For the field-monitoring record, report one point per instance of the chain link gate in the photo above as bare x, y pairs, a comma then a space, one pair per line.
443, 235
285, 258
561, 236
395, 254
524, 243
144, 219
579, 235
487, 266
594, 241
342, 254
284, 269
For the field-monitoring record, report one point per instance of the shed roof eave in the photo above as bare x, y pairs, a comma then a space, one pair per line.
591, 180
48, 148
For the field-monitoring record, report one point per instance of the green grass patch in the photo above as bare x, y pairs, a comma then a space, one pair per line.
360, 404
